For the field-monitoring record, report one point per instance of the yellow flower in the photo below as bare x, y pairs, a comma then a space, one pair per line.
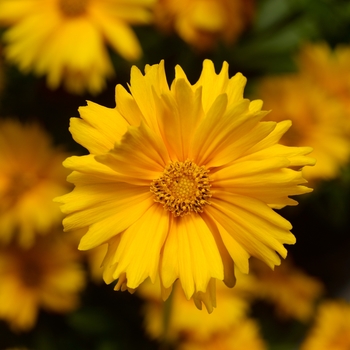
328, 68
202, 23
47, 275
181, 182
66, 39
291, 291
31, 176
318, 120
331, 330
242, 336
186, 321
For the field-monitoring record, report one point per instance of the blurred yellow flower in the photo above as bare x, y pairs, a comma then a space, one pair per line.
242, 336
202, 23
181, 182
31, 176
329, 69
187, 322
47, 275
293, 292
331, 330
318, 120
66, 39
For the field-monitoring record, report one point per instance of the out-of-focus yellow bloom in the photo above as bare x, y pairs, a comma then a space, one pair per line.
202, 23
318, 120
31, 176
329, 69
331, 330
48, 275
67, 39
181, 182
242, 336
186, 321
291, 291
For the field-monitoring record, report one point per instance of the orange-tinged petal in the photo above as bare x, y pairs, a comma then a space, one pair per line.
221, 137
180, 118
141, 155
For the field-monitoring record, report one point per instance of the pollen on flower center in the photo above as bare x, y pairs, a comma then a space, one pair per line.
184, 187
72, 8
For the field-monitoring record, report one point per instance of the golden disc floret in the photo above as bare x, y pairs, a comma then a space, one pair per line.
184, 187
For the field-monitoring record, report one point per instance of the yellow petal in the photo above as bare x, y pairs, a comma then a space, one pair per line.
112, 216
99, 129
140, 247
127, 106
121, 37
143, 88
253, 225
181, 118
141, 156
190, 254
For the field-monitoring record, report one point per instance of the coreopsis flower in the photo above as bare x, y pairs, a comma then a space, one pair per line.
202, 23
318, 120
31, 176
67, 39
328, 68
48, 275
186, 322
181, 182
293, 292
331, 330
242, 336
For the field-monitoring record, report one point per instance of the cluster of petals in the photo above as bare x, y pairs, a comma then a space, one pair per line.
331, 327
203, 23
31, 176
47, 276
211, 125
66, 40
316, 100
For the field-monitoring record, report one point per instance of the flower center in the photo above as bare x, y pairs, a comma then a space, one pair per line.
73, 8
17, 187
183, 188
31, 274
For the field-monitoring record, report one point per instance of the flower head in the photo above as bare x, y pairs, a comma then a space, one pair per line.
293, 292
242, 336
331, 330
187, 322
47, 275
181, 181
318, 120
66, 39
31, 176
327, 68
202, 23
